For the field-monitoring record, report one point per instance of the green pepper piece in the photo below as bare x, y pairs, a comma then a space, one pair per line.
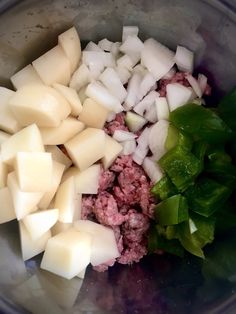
200, 122
181, 166
172, 211
199, 149
164, 188
206, 196
227, 109
176, 137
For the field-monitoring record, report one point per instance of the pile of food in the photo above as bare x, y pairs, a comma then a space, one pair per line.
109, 152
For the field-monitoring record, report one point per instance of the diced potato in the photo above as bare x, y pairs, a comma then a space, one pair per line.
4, 136
26, 140
3, 173
86, 181
34, 171
40, 222
112, 151
86, 148
78, 206
63, 133
71, 96
65, 200
29, 247
70, 43
60, 227
93, 114
24, 202
103, 247
58, 155
67, 253
82, 273
53, 67
39, 104
57, 171
8, 122
7, 211
26, 76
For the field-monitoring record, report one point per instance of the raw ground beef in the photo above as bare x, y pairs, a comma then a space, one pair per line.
117, 124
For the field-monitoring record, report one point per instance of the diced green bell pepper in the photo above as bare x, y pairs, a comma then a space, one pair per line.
176, 137
181, 166
199, 149
172, 211
227, 109
164, 188
200, 122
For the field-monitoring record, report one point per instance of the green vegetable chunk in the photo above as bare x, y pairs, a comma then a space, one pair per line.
227, 109
176, 137
202, 123
164, 188
181, 166
206, 196
199, 150
172, 211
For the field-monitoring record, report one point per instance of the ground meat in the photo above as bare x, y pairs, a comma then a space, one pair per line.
133, 253
87, 207
179, 77
117, 124
119, 238
121, 162
106, 180
106, 210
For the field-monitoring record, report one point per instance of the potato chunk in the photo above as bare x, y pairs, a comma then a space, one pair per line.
67, 253
112, 151
87, 147
26, 76
58, 155
3, 173
7, 211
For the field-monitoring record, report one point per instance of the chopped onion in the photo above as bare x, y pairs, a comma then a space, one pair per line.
100, 58
146, 103
184, 59
105, 44
154, 87
129, 31
177, 95
121, 136
152, 169
146, 84
91, 46
202, 81
170, 74
139, 68
100, 94
125, 62
132, 90
143, 138
157, 138
195, 85
133, 47
134, 121
157, 58
81, 94
111, 116
151, 113
124, 74
113, 83
139, 154
80, 78
115, 49
162, 108
128, 147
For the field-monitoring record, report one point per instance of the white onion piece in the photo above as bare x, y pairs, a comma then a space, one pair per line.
80, 78
139, 68
125, 62
113, 83
177, 95
202, 81
143, 138
100, 94
132, 91
170, 74
193, 94
124, 74
195, 85
151, 113
128, 147
154, 87
91, 46
134, 121
95, 70
162, 108
152, 169
146, 103
139, 154
121, 136
184, 59
99, 58
105, 44
81, 94
146, 84
133, 47
157, 58
115, 49
111, 116
129, 31
157, 138
109, 60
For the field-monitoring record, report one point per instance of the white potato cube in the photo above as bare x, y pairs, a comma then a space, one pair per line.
4, 136
34, 171
67, 129
24, 202
70, 43
53, 67
87, 147
71, 96
112, 151
103, 247
3, 173
81, 274
65, 200
30, 247
67, 253
26, 140
26, 76
7, 211
39, 104
60, 227
93, 114
8, 122
57, 171
58, 155
40, 222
